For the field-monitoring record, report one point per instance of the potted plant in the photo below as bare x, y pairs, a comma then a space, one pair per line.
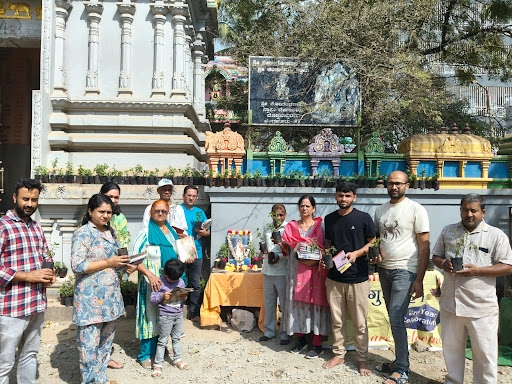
421, 180
42, 174
170, 174
374, 249
263, 243
209, 179
137, 174
66, 292
258, 177
327, 257
413, 181
222, 256
462, 244
101, 173
435, 181
187, 175
129, 292
247, 179
69, 176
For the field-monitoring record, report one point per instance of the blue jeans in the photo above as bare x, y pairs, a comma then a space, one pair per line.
23, 333
396, 287
194, 276
169, 325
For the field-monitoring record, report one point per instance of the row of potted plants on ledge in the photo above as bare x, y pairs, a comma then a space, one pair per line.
103, 173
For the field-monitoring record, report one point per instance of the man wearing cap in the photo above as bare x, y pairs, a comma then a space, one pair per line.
176, 216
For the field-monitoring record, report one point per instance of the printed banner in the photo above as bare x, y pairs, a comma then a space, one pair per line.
422, 319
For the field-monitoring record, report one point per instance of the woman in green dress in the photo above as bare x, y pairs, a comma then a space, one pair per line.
159, 241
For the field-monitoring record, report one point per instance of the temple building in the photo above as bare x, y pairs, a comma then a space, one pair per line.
84, 83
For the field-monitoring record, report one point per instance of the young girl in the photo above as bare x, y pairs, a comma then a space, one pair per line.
171, 315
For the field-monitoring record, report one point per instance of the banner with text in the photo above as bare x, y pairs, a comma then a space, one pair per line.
285, 91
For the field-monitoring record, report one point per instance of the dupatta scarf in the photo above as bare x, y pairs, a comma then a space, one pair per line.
310, 280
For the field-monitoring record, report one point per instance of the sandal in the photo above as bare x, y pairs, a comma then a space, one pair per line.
181, 365
157, 372
146, 364
115, 365
402, 379
384, 368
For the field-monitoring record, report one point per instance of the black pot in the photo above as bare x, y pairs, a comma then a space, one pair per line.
222, 264
373, 252
210, 181
272, 258
263, 246
276, 236
232, 182
308, 182
45, 178
239, 183
63, 272
246, 182
259, 182
68, 301
422, 184
436, 184
327, 259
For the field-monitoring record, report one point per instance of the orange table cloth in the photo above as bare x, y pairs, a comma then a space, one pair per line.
232, 289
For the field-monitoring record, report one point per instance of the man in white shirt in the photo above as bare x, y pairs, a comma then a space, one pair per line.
468, 297
404, 254
176, 216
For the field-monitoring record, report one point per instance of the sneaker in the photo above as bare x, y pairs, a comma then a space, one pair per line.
300, 346
314, 352
265, 338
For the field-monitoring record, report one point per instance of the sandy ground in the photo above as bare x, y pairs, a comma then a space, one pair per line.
227, 356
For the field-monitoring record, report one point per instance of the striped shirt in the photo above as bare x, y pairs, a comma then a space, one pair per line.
22, 248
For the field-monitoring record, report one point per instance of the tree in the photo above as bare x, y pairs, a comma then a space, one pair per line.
395, 47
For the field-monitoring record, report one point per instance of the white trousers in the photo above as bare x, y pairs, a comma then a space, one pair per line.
483, 333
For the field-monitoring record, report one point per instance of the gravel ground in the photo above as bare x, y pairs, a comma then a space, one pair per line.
227, 356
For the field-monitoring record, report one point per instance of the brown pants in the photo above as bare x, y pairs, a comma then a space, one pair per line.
352, 299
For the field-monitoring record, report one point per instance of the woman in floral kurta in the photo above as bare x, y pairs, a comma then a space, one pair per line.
97, 301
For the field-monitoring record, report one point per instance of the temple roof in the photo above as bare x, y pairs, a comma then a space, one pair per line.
446, 146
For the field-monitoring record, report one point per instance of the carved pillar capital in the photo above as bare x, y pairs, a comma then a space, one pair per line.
93, 8
125, 9
63, 4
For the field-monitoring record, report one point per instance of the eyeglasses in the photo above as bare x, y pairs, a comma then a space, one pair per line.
397, 184
161, 211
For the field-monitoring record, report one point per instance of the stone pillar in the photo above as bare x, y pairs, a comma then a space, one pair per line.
47, 227
67, 227
179, 13
189, 67
127, 10
94, 10
59, 73
159, 11
199, 89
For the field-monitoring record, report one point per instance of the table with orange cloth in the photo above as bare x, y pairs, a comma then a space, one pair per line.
232, 289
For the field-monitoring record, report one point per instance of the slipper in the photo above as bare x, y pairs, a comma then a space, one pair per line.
157, 372
146, 364
181, 365
402, 379
384, 368
115, 365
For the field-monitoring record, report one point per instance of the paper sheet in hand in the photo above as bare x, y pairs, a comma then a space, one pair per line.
305, 252
341, 262
186, 249
135, 259
179, 293
206, 224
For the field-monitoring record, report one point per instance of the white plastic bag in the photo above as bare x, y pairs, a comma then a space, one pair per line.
243, 320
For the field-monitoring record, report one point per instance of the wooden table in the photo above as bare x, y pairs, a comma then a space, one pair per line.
232, 289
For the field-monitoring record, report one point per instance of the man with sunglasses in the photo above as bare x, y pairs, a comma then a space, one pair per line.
175, 216
403, 227
195, 216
